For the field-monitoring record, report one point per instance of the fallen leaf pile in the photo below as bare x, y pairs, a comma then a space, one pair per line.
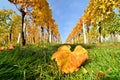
68, 61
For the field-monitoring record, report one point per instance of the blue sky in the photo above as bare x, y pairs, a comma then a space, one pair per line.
66, 13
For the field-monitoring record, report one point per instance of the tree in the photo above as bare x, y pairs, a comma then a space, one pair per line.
14, 29
22, 7
4, 20
112, 26
10, 23
96, 12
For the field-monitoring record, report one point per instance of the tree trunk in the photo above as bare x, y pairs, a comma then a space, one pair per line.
7, 40
72, 41
22, 28
10, 37
18, 40
49, 35
114, 37
42, 36
34, 40
84, 34
87, 34
79, 37
100, 34
111, 37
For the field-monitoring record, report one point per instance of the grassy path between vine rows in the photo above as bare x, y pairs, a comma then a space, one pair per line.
34, 63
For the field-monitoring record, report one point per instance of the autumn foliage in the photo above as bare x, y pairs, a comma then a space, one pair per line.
68, 61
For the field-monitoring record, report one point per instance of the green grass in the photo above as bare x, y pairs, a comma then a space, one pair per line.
34, 63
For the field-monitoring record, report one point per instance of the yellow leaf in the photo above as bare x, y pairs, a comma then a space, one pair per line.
67, 61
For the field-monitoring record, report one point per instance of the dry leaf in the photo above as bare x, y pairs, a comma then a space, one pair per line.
68, 61
2, 48
10, 47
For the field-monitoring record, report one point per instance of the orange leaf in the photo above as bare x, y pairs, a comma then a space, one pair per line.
11, 47
2, 48
68, 61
